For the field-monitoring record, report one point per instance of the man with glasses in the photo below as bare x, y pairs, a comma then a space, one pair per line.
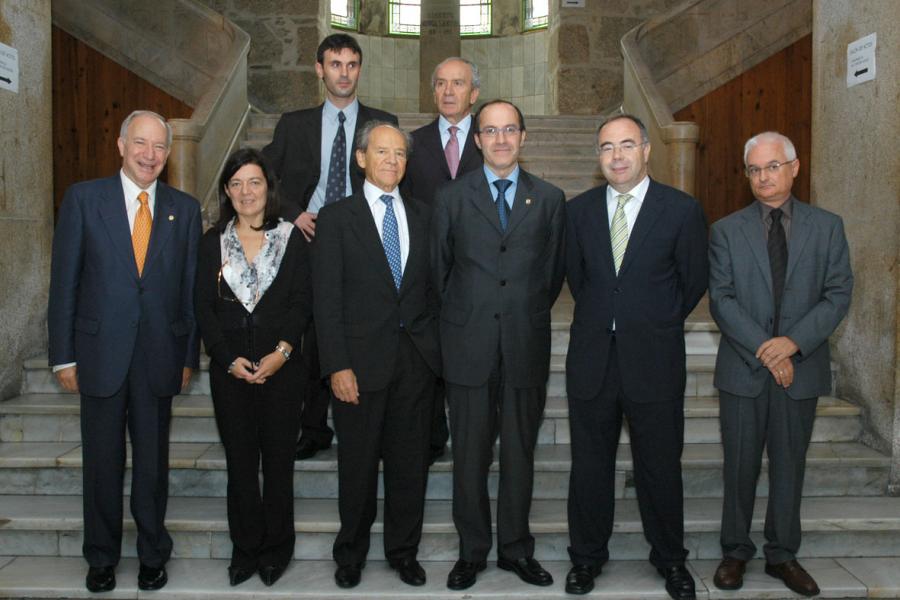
636, 263
497, 255
779, 285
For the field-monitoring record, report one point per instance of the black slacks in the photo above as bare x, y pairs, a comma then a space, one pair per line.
393, 425
657, 437
477, 415
316, 394
258, 424
103, 423
783, 426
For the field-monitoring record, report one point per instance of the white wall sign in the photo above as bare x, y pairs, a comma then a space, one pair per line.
572, 3
9, 68
861, 60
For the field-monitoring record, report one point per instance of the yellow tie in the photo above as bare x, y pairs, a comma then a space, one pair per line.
140, 235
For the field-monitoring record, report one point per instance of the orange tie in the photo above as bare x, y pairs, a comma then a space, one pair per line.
140, 235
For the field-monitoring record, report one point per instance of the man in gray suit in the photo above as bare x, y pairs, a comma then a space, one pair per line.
497, 255
779, 285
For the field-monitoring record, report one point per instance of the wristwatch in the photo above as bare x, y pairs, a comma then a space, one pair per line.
284, 351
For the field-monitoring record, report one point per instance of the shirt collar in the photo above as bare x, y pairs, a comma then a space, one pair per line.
787, 209
131, 189
374, 193
638, 192
330, 111
464, 124
492, 177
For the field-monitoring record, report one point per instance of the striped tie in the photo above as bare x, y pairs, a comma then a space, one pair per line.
618, 231
140, 233
390, 239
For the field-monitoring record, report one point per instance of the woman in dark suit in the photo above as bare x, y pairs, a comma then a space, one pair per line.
253, 302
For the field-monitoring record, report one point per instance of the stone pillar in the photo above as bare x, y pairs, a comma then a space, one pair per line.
439, 39
856, 174
26, 190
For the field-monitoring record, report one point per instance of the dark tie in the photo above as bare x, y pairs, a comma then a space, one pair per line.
336, 188
502, 208
390, 239
778, 255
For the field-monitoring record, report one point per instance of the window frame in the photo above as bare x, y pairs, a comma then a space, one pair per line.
353, 19
390, 7
490, 20
533, 27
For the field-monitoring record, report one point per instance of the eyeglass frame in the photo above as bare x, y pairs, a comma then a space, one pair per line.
627, 147
233, 298
491, 131
770, 168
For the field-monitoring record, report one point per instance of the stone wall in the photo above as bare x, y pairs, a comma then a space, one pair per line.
585, 70
26, 193
856, 173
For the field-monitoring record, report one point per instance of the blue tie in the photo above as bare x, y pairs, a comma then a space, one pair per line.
336, 187
390, 239
502, 208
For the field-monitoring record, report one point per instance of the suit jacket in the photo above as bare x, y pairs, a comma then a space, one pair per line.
296, 155
497, 287
282, 313
101, 311
663, 276
817, 288
427, 169
358, 310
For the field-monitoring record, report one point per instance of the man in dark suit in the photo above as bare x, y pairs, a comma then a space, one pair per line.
497, 253
444, 150
637, 266
377, 325
312, 153
779, 285
122, 333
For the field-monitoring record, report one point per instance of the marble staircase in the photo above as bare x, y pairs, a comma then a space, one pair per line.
851, 529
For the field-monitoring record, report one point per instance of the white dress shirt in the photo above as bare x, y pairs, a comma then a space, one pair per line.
378, 207
632, 207
461, 136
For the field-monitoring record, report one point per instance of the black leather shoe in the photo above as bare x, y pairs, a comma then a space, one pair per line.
730, 573
528, 570
463, 574
348, 576
150, 578
580, 579
269, 574
238, 575
409, 570
307, 448
100, 579
679, 583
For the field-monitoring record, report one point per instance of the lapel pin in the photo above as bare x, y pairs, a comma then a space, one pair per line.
171, 217
527, 201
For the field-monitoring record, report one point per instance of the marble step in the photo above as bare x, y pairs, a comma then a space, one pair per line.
200, 579
52, 525
39, 378
198, 469
54, 418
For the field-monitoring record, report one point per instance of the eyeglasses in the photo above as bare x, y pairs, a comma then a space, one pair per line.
231, 297
495, 131
770, 169
627, 147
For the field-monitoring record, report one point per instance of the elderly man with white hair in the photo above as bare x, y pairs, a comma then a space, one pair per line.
779, 285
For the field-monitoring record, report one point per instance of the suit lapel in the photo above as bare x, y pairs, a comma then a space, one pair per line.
115, 219
600, 223
313, 135
752, 228
163, 223
471, 155
522, 204
800, 230
432, 144
650, 212
480, 195
417, 241
366, 231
